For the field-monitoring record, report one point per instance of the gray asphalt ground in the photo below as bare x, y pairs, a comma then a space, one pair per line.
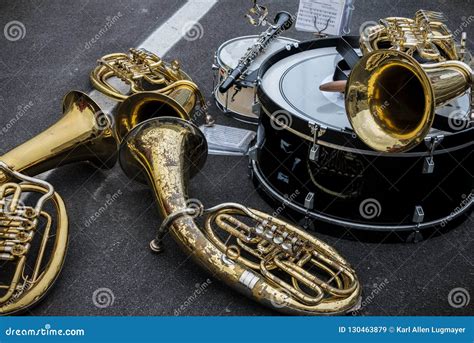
112, 252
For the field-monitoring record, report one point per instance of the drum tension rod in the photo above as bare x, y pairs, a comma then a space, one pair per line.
315, 149
431, 143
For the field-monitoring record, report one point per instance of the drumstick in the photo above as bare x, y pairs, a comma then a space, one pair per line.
334, 86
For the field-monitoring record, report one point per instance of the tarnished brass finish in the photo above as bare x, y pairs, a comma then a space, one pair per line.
391, 96
143, 71
263, 257
84, 133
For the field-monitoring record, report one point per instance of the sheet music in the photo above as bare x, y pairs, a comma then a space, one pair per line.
315, 15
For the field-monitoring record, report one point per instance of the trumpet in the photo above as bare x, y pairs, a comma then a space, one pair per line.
84, 133
263, 257
392, 94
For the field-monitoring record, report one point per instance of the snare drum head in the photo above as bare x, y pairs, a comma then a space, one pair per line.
231, 52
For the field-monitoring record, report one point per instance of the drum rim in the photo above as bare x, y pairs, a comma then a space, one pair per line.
221, 64
258, 176
357, 146
234, 115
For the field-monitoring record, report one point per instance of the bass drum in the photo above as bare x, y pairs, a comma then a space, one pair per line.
336, 178
239, 100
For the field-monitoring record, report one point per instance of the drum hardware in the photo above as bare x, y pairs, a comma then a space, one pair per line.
82, 134
144, 71
431, 143
261, 256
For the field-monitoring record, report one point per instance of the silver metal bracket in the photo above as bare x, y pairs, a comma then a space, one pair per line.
256, 108
309, 201
431, 143
418, 215
314, 152
253, 151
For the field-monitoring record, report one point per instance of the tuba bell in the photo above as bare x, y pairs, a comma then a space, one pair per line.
263, 257
83, 133
408, 69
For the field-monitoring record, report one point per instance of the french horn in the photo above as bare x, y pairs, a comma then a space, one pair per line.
143, 71
408, 69
263, 257
83, 133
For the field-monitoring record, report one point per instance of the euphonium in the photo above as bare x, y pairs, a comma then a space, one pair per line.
409, 67
261, 256
26, 231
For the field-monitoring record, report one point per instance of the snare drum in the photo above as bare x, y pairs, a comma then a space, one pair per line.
308, 157
238, 101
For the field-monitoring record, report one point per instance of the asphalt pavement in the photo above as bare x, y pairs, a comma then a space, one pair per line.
56, 53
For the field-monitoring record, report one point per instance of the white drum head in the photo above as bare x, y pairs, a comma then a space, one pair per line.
231, 52
293, 84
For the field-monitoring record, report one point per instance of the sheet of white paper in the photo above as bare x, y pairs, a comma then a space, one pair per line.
313, 16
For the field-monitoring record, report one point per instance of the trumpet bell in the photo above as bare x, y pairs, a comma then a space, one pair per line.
390, 101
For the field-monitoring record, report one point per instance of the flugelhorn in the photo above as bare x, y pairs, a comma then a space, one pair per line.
143, 71
83, 133
409, 67
263, 257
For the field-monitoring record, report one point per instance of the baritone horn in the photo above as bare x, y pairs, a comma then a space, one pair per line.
263, 257
27, 231
408, 69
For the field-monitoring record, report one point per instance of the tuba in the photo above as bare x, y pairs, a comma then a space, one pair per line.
263, 257
408, 69
26, 231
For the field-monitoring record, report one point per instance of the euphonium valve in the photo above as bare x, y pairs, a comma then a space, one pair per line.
83, 133
263, 257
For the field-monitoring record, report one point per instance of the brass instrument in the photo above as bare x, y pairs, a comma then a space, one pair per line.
83, 134
409, 67
143, 71
261, 256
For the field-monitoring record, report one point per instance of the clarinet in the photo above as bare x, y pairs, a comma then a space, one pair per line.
283, 21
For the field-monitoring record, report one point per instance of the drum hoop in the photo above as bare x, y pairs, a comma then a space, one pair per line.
267, 187
219, 49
